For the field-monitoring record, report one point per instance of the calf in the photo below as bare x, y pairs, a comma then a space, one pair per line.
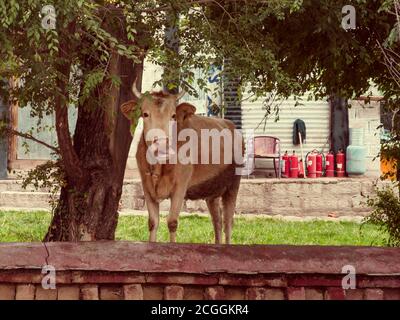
200, 178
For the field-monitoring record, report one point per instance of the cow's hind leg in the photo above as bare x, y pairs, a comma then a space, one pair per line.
228, 207
215, 212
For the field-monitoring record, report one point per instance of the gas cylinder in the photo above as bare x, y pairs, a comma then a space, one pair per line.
319, 164
294, 165
356, 153
340, 164
330, 165
285, 166
311, 158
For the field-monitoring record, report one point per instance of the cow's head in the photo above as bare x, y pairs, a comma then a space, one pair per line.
159, 110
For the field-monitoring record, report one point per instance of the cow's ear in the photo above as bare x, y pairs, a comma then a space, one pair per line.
128, 108
184, 110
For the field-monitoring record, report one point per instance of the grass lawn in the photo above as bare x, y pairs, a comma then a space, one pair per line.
16, 226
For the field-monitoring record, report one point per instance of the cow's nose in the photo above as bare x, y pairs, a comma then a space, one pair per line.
162, 148
162, 143
160, 140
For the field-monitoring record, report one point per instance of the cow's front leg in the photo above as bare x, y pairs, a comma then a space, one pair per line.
177, 196
153, 209
176, 206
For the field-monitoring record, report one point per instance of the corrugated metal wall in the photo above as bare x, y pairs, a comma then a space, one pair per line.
315, 114
233, 110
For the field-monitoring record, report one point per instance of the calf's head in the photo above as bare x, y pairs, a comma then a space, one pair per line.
160, 111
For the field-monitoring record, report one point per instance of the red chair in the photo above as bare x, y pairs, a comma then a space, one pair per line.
268, 147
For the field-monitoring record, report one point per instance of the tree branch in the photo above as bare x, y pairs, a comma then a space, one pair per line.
396, 8
388, 62
69, 157
68, 154
28, 136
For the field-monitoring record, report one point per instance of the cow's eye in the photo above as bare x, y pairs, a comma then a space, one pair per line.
145, 115
174, 116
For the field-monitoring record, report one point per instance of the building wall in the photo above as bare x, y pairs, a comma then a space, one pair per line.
315, 114
367, 116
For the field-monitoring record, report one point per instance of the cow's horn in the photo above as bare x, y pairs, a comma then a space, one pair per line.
180, 94
135, 90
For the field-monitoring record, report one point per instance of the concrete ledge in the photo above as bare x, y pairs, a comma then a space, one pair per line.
289, 197
199, 258
125, 270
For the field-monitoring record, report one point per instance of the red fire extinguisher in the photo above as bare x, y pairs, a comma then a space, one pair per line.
330, 165
319, 164
340, 163
294, 165
301, 169
285, 166
311, 158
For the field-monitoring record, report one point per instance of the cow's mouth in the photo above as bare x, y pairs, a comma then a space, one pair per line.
161, 153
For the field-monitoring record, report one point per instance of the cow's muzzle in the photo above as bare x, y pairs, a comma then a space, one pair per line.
161, 149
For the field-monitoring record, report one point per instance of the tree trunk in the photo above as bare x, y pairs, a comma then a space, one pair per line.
88, 206
339, 123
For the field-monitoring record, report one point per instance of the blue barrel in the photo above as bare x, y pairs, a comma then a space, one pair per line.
356, 153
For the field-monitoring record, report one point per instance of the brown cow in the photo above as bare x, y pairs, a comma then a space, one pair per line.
179, 181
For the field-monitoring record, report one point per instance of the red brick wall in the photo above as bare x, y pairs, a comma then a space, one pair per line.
123, 270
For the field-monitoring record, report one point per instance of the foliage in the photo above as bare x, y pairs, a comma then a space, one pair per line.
36, 56
390, 85
47, 176
285, 46
208, 34
386, 203
325, 58
247, 35
390, 153
386, 213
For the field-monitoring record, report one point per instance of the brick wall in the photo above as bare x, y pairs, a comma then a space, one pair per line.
124, 270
